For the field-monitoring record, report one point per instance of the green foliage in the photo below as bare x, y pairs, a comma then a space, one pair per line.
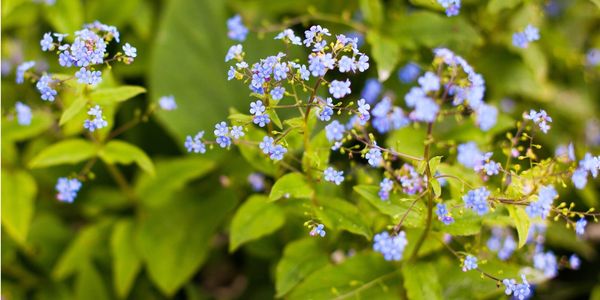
292, 185
300, 258
254, 219
18, 196
69, 151
421, 281
125, 153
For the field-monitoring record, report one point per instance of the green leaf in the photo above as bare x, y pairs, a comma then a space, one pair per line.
342, 215
73, 110
12, 131
255, 218
597, 2
466, 222
18, 203
385, 52
125, 258
317, 156
175, 238
300, 259
363, 276
171, 176
521, 222
394, 207
124, 153
69, 151
495, 6
291, 185
437, 189
108, 96
275, 118
90, 285
65, 16
421, 281
408, 140
372, 11
434, 164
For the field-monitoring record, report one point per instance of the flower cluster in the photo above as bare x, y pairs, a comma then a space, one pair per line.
588, 165
392, 247
502, 242
385, 187
443, 214
519, 291
318, 230
67, 189
97, 121
470, 263
452, 7
23, 114
477, 200
540, 118
332, 175
528, 35
541, 207
167, 103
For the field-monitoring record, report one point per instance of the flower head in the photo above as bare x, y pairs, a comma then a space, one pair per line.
23, 114
67, 189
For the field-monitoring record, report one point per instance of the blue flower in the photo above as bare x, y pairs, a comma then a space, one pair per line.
325, 110
574, 262
540, 118
43, 86
371, 90
97, 122
195, 144
374, 157
491, 168
334, 131
409, 72
363, 63
392, 247
318, 230
452, 7
469, 155
87, 49
315, 34
237, 132
346, 64
167, 103
443, 214
592, 57
221, 129
277, 152
470, 263
334, 176
23, 113
111, 31
579, 178
385, 187
257, 108
223, 141
277, 93
233, 52
487, 116
531, 33
88, 76
429, 82
416, 94
541, 207
412, 182
522, 39
21, 69
477, 200
261, 120
519, 291
231, 73
289, 36
580, 226
267, 144
47, 42
280, 71
590, 164
425, 110
339, 89
129, 50
67, 189
318, 64
546, 262
519, 39
257, 181
236, 29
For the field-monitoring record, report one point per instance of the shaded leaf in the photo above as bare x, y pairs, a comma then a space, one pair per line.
421, 281
291, 185
300, 259
12, 131
73, 110
255, 218
521, 222
18, 203
69, 151
385, 52
124, 153
342, 215
89, 284
126, 260
109, 96
395, 207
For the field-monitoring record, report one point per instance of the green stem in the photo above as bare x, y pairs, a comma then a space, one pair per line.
121, 181
430, 194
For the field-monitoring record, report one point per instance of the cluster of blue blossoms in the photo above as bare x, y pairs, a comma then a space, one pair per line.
528, 35
452, 7
97, 121
391, 246
67, 189
443, 214
23, 114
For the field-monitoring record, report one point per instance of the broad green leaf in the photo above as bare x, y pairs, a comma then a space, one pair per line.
421, 281
255, 218
435, 185
175, 238
495, 6
408, 140
73, 110
466, 222
69, 151
597, 2
171, 176
434, 163
12, 131
112, 95
317, 156
300, 259
18, 203
521, 222
82, 249
89, 284
342, 215
48, 232
395, 207
65, 16
126, 262
385, 52
363, 276
291, 185
124, 153
372, 11
431, 244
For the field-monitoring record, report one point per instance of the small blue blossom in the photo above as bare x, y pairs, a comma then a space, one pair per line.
318, 230
60, 36
237, 132
331, 175
98, 121
374, 157
21, 69
579, 178
592, 57
469, 155
233, 52
67, 189
23, 114
231, 73
236, 29
546, 262
267, 144
477, 200
363, 111
519, 291
315, 34
88, 76
195, 144
257, 108
288, 35
129, 50
412, 182
590, 164
508, 247
334, 131
277, 152
574, 262
487, 116
531, 33
325, 110
470, 263
339, 89
409, 73
87, 49
261, 120
47, 42
426, 110
257, 181
319, 64
522, 39
443, 214
541, 207
580, 226
277, 93
385, 187
347, 64
540, 118
413, 96
371, 90
429, 82
43, 86
490, 168
280, 71
363, 63
392, 247
167, 103
221, 129
223, 141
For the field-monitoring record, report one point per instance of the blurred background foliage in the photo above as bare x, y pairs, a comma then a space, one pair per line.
170, 240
